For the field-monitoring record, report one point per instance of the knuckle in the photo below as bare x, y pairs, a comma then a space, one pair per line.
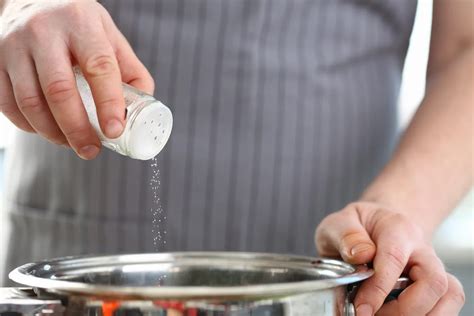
75, 9
415, 230
353, 205
7, 108
397, 257
100, 65
78, 134
108, 103
382, 292
9, 41
399, 219
439, 284
37, 26
60, 90
456, 290
328, 221
459, 297
32, 103
78, 14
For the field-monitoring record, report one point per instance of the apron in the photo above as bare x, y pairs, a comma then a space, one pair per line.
284, 111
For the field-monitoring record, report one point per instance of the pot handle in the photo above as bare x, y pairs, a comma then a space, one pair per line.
24, 301
401, 284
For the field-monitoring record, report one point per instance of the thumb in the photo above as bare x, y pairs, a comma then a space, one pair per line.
343, 234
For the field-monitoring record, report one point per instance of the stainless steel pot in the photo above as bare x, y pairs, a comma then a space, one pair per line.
187, 283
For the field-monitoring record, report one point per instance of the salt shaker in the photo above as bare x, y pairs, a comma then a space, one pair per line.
148, 121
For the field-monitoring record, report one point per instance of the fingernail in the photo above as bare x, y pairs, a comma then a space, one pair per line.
113, 128
88, 152
357, 249
364, 310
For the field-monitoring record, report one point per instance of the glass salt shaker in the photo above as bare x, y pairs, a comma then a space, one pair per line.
148, 121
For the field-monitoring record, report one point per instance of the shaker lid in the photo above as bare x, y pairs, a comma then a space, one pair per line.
150, 131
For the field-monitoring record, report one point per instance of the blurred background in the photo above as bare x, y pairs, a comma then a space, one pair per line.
454, 241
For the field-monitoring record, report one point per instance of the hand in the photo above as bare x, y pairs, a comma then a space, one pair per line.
366, 232
40, 41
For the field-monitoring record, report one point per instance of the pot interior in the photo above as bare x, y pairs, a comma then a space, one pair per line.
191, 274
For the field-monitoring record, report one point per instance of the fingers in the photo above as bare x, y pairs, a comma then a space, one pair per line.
8, 104
30, 100
401, 247
42, 94
393, 251
133, 71
97, 61
452, 302
430, 283
59, 86
342, 234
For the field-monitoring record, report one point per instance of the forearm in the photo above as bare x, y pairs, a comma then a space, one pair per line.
432, 167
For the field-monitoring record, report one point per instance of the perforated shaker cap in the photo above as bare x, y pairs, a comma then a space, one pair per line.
149, 132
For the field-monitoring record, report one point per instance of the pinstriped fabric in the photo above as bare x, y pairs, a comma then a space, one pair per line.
337, 109
301, 164
237, 232
254, 208
279, 121
193, 95
175, 45
284, 111
365, 108
351, 146
318, 191
221, 136
209, 178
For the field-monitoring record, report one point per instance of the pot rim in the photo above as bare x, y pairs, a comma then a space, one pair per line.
42, 275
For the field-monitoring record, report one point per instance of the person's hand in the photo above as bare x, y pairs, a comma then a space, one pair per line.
40, 41
367, 232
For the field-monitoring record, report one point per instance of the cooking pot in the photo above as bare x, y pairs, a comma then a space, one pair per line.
186, 283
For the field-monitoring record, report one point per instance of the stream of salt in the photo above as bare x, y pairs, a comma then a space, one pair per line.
158, 217
156, 210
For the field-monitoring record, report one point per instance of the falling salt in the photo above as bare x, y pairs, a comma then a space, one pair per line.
156, 210
158, 217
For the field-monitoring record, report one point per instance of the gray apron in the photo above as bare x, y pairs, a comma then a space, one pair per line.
284, 111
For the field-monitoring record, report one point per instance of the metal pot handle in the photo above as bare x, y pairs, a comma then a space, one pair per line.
24, 301
401, 284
